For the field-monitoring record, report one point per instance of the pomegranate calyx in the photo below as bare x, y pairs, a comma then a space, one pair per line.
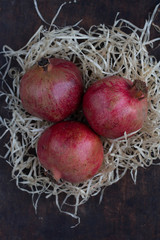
43, 63
56, 174
139, 89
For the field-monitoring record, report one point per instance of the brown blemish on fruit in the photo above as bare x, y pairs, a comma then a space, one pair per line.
108, 84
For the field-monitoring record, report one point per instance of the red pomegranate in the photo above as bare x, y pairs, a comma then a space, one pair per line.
51, 89
71, 151
114, 105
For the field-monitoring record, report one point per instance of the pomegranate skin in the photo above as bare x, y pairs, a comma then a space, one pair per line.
112, 106
53, 91
71, 151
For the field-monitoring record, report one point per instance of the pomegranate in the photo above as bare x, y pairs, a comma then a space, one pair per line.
71, 151
114, 105
51, 89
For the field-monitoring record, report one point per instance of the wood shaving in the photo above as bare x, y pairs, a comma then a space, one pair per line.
101, 51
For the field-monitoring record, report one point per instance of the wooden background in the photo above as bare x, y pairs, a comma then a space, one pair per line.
128, 211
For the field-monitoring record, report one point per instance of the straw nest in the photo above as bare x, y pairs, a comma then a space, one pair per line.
101, 51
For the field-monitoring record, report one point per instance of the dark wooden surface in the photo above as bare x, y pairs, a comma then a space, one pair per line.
128, 211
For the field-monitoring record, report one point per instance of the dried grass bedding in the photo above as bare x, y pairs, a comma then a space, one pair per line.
101, 51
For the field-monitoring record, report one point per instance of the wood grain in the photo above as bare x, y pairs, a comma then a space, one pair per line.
128, 211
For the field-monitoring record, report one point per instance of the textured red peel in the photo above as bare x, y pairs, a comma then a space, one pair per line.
52, 89
71, 151
115, 105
